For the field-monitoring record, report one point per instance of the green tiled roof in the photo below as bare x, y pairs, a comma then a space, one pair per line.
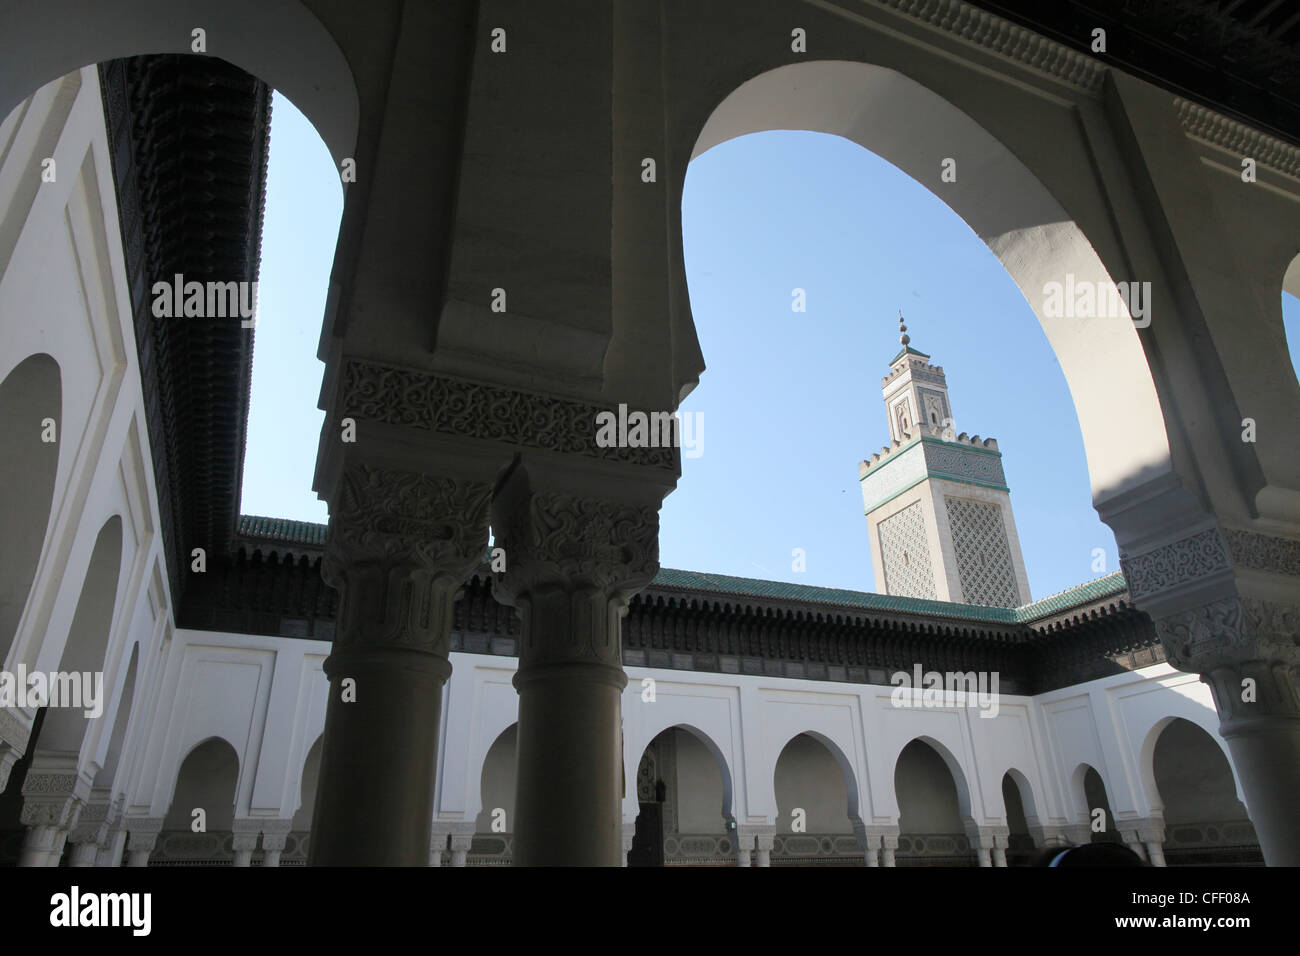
865, 600
1093, 590
857, 600
907, 351
279, 529
307, 533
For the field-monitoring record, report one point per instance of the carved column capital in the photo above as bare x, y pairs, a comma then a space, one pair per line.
142, 833
244, 834
275, 834
53, 798
1246, 649
400, 547
576, 560
93, 823
15, 732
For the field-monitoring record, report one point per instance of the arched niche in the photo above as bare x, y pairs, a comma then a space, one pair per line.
31, 411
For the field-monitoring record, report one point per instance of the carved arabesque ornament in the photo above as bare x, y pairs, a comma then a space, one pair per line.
52, 798
582, 556
399, 550
1199, 555
485, 412
592, 540
1236, 638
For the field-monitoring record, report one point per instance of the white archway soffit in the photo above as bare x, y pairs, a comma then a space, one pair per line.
1007, 206
278, 41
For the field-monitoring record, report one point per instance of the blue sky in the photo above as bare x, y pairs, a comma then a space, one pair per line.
790, 402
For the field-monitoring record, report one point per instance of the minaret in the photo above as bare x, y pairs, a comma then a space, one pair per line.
937, 503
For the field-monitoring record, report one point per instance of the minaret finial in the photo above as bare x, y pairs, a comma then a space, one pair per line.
903, 337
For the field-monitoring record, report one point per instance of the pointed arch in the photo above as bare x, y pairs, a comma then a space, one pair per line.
1008, 207
30, 395
87, 644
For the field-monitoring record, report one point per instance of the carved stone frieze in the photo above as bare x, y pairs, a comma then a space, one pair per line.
1263, 552
960, 462
399, 550
54, 783
1189, 559
477, 410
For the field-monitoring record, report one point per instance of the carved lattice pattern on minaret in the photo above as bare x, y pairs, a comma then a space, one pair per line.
905, 552
984, 566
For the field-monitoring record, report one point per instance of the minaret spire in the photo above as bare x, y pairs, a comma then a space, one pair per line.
940, 522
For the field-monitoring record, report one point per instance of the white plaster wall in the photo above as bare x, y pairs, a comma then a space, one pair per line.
748, 720
266, 697
63, 293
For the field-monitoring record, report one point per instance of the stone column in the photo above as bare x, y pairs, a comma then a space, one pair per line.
880, 841
141, 839
764, 840
91, 832
462, 836
572, 562
52, 804
111, 854
1001, 843
744, 846
985, 840
244, 840
400, 548
15, 734
275, 836
113, 845
1248, 651
1155, 852
888, 847
438, 837
1146, 838
44, 823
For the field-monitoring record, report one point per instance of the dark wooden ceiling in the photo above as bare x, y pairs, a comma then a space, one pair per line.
1240, 57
